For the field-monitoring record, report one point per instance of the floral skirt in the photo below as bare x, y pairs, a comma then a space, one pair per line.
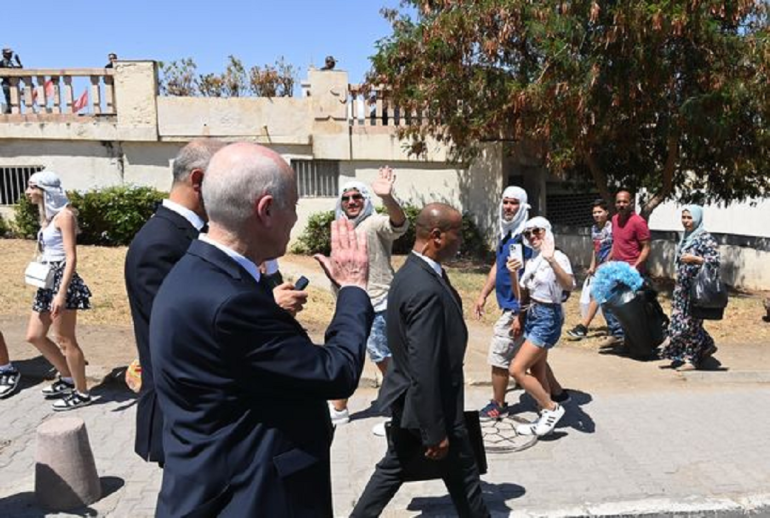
78, 294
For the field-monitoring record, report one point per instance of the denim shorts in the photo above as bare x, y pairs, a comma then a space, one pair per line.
543, 324
377, 344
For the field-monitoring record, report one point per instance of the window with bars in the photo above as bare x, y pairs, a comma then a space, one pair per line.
572, 209
317, 178
13, 182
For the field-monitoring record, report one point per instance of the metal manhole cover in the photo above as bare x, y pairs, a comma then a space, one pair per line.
500, 436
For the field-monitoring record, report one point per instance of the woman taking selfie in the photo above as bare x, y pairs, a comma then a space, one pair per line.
545, 280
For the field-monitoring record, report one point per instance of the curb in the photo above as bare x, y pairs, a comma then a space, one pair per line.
727, 377
750, 505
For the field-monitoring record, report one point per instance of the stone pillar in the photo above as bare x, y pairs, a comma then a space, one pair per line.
65, 472
136, 89
328, 90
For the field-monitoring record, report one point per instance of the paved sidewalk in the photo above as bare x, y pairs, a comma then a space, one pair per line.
685, 446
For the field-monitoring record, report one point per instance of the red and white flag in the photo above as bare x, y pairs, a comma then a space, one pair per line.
81, 102
49, 90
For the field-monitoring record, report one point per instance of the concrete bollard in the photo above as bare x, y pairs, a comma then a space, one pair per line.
65, 472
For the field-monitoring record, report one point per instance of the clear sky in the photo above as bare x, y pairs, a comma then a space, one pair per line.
257, 31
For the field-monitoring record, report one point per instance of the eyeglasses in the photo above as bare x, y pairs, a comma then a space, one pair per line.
532, 232
354, 197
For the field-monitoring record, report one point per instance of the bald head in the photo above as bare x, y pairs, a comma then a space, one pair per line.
435, 216
438, 230
240, 174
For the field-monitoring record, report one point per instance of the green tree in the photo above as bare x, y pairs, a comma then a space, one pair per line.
178, 77
666, 95
211, 85
273, 81
234, 78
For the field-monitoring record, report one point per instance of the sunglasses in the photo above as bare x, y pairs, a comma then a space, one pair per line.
354, 197
533, 232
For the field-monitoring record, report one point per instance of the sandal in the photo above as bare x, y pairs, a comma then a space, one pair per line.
687, 367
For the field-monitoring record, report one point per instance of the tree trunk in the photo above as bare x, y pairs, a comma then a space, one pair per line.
600, 179
668, 178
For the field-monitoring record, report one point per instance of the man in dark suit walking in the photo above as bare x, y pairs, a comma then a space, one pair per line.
155, 249
425, 386
243, 389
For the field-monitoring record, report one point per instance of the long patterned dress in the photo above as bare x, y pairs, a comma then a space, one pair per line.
688, 338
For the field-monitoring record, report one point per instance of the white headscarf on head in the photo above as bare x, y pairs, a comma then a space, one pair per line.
516, 225
537, 262
54, 198
368, 209
537, 222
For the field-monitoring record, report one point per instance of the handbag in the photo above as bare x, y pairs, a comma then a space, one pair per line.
39, 274
585, 298
411, 452
708, 295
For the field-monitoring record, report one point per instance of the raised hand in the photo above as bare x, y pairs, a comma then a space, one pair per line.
549, 248
348, 263
383, 185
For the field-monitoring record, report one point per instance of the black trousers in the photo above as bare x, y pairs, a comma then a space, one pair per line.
461, 480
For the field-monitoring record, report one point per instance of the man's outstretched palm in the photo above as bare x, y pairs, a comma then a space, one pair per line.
383, 185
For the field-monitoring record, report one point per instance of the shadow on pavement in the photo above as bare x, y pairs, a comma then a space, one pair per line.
113, 389
575, 417
24, 505
374, 410
495, 496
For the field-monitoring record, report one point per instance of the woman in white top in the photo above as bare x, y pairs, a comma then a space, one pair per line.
58, 305
545, 280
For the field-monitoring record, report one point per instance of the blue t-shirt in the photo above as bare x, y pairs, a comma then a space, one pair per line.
503, 289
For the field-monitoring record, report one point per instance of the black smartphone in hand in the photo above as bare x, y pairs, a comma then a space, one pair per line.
301, 283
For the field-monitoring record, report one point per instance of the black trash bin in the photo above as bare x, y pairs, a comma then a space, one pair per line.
642, 318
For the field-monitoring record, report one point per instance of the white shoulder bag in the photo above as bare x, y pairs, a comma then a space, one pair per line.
38, 273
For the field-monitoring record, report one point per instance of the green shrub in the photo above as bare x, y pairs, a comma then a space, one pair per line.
110, 216
316, 238
4, 229
114, 215
26, 220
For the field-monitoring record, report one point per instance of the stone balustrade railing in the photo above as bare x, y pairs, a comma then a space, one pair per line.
52, 91
373, 107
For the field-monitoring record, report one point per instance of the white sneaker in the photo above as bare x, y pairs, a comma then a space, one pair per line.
545, 423
339, 416
379, 428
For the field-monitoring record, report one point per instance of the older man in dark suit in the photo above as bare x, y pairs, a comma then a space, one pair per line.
155, 249
243, 389
425, 386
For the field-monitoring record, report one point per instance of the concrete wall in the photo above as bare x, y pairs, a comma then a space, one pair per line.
742, 266
81, 164
269, 121
746, 219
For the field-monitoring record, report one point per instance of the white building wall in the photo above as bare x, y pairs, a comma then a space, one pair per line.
744, 219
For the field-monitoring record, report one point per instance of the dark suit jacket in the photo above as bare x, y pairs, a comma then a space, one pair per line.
156, 248
428, 337
244, 391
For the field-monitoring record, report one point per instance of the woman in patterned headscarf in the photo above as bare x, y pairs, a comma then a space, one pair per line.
57, 306
690, 344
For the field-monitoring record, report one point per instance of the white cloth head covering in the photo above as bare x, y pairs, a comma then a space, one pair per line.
537, 262
537, 222
368, 209
54, 198
516, 225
